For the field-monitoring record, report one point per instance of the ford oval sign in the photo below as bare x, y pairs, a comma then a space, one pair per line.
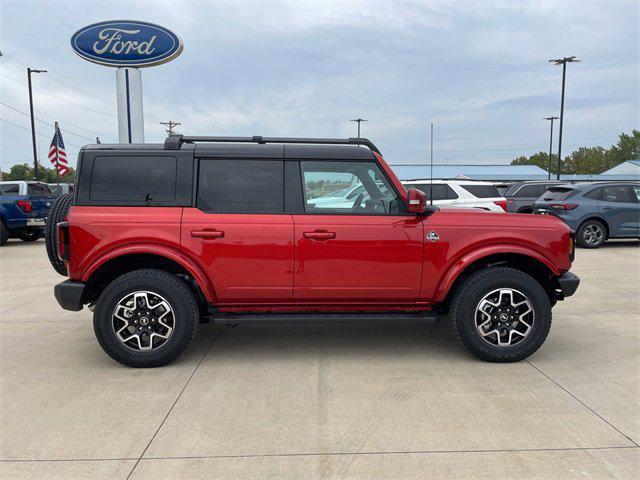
126, 43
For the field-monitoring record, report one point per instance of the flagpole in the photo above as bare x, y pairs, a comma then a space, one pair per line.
57, 162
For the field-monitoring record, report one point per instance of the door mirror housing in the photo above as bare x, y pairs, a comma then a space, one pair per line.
417, 201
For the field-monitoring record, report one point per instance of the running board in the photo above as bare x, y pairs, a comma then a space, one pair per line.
320, 317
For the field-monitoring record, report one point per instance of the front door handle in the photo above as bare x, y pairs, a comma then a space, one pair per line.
319, 235
207, 233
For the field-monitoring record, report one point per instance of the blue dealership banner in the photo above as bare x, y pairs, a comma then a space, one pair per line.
126, 43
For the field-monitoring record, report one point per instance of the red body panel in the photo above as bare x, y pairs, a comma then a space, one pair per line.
366, 258
94, 232
469, 235
314, 262
249, 260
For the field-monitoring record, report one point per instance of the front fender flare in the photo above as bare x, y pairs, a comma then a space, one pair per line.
194, 270
457, 267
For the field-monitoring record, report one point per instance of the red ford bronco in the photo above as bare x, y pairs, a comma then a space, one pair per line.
157, 238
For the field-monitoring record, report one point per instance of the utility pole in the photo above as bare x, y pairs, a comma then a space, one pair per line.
550, 143
33, 126
359, 121
563, 62
170, 126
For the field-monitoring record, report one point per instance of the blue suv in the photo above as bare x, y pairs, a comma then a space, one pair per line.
24, 207
595, 211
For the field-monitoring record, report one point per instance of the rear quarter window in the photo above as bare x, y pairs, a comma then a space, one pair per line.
482, 191
133, 179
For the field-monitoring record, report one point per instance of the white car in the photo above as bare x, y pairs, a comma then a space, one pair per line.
461, 193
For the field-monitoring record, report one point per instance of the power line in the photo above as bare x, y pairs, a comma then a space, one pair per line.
40, 112
75, 88
64, 82
60, 98
47, 123
37, 133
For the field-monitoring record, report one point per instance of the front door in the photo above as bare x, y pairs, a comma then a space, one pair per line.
364, 250
239, 233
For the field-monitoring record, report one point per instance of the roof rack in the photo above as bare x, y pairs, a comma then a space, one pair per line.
174, 142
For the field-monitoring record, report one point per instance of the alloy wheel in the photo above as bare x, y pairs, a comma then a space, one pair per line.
593, 234
504, 317
143, 321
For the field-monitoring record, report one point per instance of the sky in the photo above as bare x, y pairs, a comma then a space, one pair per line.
477, 69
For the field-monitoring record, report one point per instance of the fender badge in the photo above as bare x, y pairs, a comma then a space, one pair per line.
433, 236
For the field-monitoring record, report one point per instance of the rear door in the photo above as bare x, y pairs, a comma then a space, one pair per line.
369, 252
619, 205
239, 232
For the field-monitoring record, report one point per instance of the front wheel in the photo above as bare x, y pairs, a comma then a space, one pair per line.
30, 235
501, 314
145, 318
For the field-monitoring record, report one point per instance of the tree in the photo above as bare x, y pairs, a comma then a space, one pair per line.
541, 159
587, 160
24, 171
627, 148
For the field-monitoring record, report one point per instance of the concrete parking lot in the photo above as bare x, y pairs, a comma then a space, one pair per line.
358, 401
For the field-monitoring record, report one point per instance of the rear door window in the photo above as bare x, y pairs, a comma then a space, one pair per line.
10, 189
617, 194
136, 180
241, 186
528, 191
482, 191
38, 190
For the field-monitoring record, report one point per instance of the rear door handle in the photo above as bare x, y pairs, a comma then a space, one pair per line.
207, 233
319, 235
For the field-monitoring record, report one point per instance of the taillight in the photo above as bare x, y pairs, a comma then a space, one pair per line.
25, 206
63, 241
501, 203
563, 206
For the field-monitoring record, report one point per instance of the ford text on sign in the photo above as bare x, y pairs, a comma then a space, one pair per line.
124, 43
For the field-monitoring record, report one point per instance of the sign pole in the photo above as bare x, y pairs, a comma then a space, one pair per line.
130, 113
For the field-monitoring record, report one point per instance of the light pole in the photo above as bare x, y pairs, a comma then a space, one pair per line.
550, 143
33, 127
563, 62
359, 121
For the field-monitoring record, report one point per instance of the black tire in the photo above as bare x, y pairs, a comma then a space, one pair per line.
473, 290
157, 282
30, 235
57, 214
585, 236
4, 234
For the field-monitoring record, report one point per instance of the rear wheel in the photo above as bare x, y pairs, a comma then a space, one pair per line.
591, 234
30, 235
501, 314
145, 318
57, 214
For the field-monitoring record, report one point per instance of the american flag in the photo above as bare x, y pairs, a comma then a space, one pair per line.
57, 155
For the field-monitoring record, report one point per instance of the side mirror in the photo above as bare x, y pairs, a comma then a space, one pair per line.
417, 201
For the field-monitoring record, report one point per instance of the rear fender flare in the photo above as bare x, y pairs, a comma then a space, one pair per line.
194, 270
457, 267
